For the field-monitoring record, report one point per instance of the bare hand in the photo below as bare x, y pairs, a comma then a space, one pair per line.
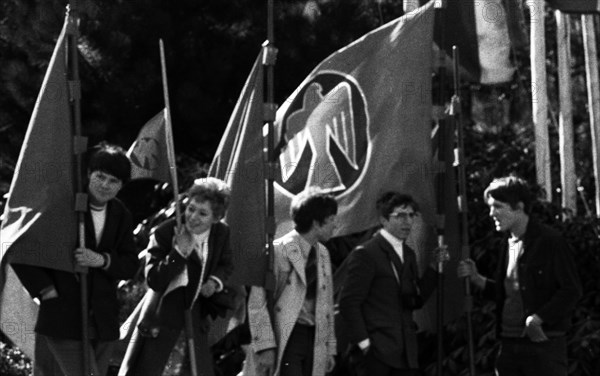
49, 293
265, 362
466, 268
330, 363
87, 258
209, 288
533, 330
441, 255
184, 242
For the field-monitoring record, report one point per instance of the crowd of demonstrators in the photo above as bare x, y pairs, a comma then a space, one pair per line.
536, 285
110, 255
292, 329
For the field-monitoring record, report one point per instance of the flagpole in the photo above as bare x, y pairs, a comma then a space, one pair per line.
187, 314
442, 142
269, 111
460, 163
169, 134
79, 147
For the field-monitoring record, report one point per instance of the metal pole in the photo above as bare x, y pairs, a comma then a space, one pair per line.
442, 123
79, 147
187, 314
462, 203
269, 111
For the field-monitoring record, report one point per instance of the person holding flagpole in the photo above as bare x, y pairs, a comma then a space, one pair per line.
536, 285
110, 256
185, 268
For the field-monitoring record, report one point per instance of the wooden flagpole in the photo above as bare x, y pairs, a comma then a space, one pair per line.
269, 56
169, 134
79, 148
187, 314
460, 164
539, 96
568, 178
593, 87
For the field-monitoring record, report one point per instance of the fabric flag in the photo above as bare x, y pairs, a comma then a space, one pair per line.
39, 224
576, 6
486, 32
239, 162
360, 124
148, 153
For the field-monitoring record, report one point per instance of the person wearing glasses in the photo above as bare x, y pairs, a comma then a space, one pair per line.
381, 290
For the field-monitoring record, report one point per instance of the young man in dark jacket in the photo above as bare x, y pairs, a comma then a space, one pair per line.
536, 285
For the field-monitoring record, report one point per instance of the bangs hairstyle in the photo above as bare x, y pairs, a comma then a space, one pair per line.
511, 190
312, 205
388, 201
212, 190
110, 159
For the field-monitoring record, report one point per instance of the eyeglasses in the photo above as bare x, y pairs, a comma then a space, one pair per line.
403, 215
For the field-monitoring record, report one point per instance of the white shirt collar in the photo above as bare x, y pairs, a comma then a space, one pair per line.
201, 244
396, 243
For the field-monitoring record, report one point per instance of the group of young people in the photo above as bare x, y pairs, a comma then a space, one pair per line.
292, 326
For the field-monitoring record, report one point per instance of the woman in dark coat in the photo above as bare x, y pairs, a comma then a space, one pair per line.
184, 269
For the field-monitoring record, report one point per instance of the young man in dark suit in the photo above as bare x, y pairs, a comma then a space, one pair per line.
536, 286
110, 254
381, 290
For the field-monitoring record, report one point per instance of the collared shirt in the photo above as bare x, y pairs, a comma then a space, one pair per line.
515, 249
201, 245
512, 312
396, 243
307, 313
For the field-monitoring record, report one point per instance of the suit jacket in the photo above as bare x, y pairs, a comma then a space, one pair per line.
273, 332
117, 241
373, 304
168, 297
549, 283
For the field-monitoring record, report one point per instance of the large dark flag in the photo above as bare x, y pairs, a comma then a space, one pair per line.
39, 224
360, 124
148, 153
239, 162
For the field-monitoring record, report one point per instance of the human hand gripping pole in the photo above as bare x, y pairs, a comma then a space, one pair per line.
265, 362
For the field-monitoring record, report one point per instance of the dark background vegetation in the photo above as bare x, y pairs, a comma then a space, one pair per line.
210, 46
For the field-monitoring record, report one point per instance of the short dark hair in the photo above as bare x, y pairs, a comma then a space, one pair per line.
388, 201
110, 159
512, 190
212, 190
310, 205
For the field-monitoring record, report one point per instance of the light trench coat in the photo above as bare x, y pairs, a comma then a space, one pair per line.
290, 290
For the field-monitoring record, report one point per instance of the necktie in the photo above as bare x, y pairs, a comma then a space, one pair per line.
311, 274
